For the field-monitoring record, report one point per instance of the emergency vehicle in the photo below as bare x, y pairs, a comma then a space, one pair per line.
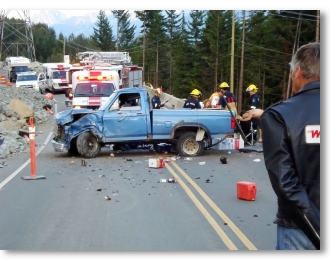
129, 76
92, 88
57, 76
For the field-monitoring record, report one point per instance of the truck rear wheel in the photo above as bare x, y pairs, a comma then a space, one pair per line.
188, 146
88, 146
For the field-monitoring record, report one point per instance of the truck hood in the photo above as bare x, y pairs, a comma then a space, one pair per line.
66, 116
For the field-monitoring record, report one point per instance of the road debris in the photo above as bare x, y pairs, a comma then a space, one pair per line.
207, 181
72, 163
188, 159
107, 198
201, 163
162, 180
129, 160
223, 160
112, 155
83, 163
98, 189
257, 160
172, 180
102, 175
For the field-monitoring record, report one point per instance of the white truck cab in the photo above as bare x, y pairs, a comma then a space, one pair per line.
92, 88
31, 80
57, 76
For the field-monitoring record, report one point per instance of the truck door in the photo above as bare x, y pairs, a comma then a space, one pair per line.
126, 119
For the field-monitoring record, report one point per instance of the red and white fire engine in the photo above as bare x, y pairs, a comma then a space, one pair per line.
128, 76
57, 76
92, 88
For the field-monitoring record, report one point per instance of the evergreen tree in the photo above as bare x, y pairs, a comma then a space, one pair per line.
125, 32
172, 26
182, 73
44, 41
102, 36
195, 30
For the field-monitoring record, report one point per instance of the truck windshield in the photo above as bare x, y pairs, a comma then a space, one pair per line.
21, 69
94, 89
26, 77
59, 74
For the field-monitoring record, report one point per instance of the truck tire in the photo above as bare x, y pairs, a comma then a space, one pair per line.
188, 146
88, 146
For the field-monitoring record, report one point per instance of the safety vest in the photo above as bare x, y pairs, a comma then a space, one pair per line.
213, 95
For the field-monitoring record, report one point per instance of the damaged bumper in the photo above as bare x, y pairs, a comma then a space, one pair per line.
59, 147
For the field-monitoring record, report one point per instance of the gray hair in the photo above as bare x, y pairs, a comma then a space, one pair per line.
307, 58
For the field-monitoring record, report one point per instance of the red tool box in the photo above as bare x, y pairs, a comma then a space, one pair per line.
246, 190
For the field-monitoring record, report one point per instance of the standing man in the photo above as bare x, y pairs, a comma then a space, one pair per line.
156, 104
255, 103
292, 153
193, 102
228, 98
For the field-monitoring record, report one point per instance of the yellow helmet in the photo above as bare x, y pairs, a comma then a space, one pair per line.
252, 88
196, 92
224, 85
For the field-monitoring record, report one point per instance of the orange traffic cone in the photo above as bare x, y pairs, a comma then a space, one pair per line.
8, 83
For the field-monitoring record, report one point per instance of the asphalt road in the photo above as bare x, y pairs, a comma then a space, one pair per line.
68, 211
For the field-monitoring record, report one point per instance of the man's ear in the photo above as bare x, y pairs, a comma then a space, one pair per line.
298, 73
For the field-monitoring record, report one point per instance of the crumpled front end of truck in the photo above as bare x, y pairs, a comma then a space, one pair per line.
71, 123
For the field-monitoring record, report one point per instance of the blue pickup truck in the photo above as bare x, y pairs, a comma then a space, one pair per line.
127, 117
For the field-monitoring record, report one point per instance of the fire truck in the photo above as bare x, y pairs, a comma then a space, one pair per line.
91, 88
128, 76
57, 76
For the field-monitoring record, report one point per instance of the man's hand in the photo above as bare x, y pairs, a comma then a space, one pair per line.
254, 113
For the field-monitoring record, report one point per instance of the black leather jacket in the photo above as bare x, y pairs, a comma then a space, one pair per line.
291, 144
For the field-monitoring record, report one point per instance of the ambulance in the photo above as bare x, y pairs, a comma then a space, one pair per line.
57, 76
92, 88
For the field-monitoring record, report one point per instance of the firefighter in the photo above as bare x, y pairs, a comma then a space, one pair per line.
230, 97
193, 102
156, 104
215, 98
254, 103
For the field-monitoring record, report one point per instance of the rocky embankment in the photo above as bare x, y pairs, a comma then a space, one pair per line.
17, 106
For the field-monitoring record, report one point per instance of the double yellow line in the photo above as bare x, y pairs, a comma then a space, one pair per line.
206, 214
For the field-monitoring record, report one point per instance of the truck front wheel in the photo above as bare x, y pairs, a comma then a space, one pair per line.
88, 146
188, 146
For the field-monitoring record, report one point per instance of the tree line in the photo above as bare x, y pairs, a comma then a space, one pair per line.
182, 52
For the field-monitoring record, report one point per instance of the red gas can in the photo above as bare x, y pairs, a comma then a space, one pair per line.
246, 190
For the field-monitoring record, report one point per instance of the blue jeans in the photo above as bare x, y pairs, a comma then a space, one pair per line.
292, 239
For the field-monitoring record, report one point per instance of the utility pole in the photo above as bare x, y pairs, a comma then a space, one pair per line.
216, 59
117, 32
288, 90
240, 87
232, 55
63, 46
318, 26
144, 43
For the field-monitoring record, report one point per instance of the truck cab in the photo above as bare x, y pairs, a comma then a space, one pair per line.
31, 80
57, 76
92, 88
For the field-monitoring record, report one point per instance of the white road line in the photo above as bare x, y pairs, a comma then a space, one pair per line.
2, 184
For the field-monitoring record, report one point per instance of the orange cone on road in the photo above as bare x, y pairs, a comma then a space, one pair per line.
9, 84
